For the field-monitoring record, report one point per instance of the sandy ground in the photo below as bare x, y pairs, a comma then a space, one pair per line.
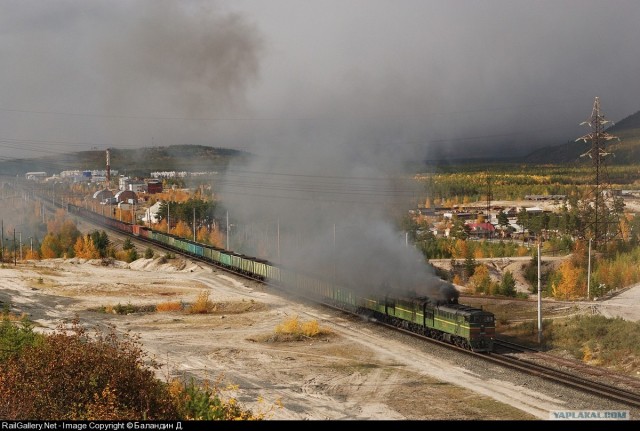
353, 372
625, 305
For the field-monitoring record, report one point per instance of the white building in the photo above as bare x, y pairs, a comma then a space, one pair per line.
150, 213
35, 175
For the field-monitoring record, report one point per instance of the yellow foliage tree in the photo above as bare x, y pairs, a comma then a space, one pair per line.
202, 235
85, 248
625, 229
161, 227
50, 247
217, 239
182, 230
570, 285
480, 280
459, 249
478, 253
32, 255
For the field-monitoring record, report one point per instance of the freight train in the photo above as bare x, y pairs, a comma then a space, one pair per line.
445, 320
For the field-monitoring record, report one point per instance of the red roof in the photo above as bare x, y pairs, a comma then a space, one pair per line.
482, 226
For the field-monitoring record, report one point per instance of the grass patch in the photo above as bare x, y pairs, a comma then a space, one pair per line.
124, 309
513, 310
203, 304
596, 340
294, 329
47, 271
169, 306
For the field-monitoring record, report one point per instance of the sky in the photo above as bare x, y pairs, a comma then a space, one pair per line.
402, 79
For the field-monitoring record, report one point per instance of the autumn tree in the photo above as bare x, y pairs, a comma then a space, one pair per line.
85, 248
202, 235
61, 237
182, 230
32, 255
216, 238
480, 280
50, 247
571, 283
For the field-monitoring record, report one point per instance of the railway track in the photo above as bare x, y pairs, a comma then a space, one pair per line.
626, 397
511, 347
565, 378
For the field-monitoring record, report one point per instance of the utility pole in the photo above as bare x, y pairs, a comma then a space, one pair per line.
168, 204
589, 272
227, 230
194, 224
539, 298
489, 196
14, 247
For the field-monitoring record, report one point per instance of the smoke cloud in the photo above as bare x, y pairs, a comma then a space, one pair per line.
124, 74
328, 209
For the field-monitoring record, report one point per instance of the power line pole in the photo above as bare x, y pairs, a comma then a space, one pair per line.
605, 209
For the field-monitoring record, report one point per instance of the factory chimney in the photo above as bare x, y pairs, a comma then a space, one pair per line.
108, 167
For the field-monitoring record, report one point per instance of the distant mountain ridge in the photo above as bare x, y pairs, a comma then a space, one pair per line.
133, 162
626, 151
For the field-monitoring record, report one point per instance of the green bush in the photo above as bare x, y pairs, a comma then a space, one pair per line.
72, 376
15, 335
127, 245
148, 253
202, 402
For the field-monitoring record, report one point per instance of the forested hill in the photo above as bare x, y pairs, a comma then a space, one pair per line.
133, 162
626, 151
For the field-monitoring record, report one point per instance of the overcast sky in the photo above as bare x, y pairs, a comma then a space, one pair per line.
408, 79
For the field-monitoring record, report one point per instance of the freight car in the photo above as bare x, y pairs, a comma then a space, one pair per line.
444, 320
